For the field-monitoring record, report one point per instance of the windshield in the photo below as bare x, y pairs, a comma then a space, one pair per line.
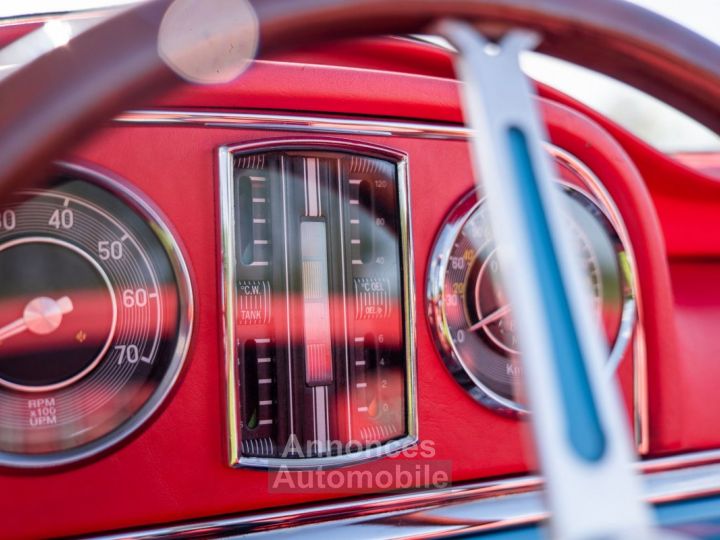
658, 124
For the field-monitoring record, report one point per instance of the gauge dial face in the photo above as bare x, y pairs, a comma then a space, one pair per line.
317, 280
93, 321
474, 324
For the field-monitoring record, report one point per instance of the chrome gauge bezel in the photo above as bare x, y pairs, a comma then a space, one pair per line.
140, 204
449, 231
225, 155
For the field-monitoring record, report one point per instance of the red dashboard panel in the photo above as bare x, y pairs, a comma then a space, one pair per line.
175, 468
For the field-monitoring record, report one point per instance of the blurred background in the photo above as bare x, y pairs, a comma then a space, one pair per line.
658, 124
650, 119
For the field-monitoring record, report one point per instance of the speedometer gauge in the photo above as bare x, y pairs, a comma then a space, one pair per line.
94, 319
473, 320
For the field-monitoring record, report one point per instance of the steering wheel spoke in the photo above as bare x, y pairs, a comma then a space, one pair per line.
579, 429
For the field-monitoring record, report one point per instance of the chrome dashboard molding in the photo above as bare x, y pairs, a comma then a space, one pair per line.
225, 156
292, 123
470, 508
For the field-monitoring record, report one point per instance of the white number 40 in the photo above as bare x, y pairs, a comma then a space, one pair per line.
62, 219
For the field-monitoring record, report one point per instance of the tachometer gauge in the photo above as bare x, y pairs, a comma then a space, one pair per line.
95, 311
472, 318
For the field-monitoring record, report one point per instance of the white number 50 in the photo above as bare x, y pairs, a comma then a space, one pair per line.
110, 250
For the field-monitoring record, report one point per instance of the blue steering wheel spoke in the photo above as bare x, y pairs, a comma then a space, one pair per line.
579, 425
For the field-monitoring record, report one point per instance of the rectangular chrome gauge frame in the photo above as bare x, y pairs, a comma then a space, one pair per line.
330, 378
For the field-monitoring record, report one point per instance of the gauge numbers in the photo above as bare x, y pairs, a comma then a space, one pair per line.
473, 322
93, 321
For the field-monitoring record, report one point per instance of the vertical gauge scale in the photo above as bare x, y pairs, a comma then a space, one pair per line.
467, 304
317, 305
94, 319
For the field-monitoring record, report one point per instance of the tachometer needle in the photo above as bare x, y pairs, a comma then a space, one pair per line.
496, 315
41, 316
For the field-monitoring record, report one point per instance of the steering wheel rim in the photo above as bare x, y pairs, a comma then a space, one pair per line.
72, 89
116, 64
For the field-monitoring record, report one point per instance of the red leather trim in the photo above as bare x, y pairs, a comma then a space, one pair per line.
686, 199
621, 178
706, 162
16, 31
343, 91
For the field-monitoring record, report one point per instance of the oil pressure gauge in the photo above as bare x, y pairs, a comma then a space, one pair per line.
472, 318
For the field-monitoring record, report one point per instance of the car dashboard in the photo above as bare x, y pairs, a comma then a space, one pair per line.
275, 303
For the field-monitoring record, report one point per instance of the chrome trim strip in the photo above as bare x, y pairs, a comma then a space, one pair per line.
470, 508
227, 306
286, 122
228, 279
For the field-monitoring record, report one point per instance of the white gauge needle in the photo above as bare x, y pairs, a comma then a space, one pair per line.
41, 316
496, 315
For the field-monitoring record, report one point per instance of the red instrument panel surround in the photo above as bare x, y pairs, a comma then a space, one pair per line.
176, 467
